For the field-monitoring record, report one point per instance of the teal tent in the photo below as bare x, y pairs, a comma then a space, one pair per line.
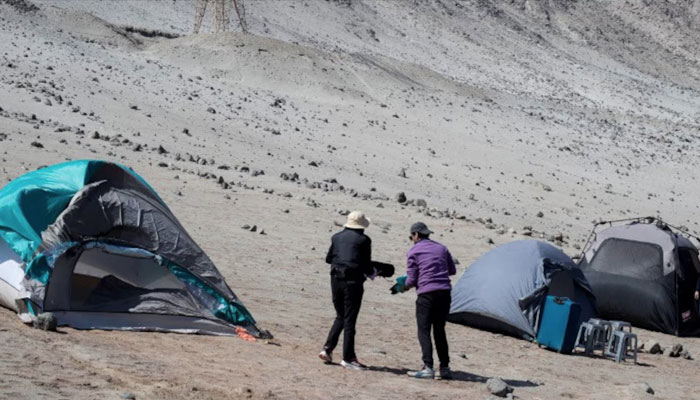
93, 243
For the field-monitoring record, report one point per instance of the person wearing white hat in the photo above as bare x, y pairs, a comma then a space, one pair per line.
350, 258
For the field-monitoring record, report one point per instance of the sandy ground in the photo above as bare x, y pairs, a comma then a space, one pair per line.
494, 112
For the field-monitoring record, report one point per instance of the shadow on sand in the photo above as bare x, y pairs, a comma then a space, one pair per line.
599, 357
458, 376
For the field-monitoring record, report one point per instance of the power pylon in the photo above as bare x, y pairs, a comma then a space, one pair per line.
221, 10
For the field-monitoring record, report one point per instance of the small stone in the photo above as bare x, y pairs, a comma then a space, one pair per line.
686, 355
161, 150
253, 228
421, 203
676, 350
137, 147
211, 110
380, 205
262, 232
246, 227
401, 197
497, 387
402, 173
641, 388
540, 214
128, 396
653, 347
489, 241
38, 145
46, 322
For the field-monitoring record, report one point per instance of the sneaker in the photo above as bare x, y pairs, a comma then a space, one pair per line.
354, 365
326, 356
443, 373
425, 373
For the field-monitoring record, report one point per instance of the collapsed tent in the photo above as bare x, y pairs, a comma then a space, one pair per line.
504, 290
93, 243
644, 273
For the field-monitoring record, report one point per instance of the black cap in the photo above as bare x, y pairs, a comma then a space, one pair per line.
421, 228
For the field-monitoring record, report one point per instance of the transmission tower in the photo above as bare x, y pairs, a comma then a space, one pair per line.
221, 11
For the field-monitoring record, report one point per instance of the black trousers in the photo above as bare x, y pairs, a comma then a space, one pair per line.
431, 312
347, 299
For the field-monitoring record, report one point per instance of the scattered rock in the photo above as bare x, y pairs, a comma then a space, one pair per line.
253, 228
46, 322
686, 355
137, 147
497, 387
211, 110
653, 347
540, 214
128, 396
246, 227
161, 150
676, 350
421, 203
38, 145
401, 197
402, 173
641, 388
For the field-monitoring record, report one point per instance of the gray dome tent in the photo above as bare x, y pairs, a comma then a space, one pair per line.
504, 290
644, 273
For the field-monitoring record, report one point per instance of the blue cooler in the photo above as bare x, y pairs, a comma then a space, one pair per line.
559, 324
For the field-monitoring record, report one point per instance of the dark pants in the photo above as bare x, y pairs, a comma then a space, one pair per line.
347, 299
431, 311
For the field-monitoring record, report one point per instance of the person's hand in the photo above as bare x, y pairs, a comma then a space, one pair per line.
400, 285
697, 295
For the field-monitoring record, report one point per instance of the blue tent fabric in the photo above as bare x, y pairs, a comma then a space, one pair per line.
505, 288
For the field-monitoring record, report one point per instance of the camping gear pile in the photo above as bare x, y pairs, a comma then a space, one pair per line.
94, 244
640, 273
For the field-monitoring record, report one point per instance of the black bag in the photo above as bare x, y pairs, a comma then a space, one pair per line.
383, 269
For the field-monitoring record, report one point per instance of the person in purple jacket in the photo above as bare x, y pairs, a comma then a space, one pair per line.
428, 269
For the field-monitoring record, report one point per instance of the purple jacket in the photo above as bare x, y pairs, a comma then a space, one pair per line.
429, 267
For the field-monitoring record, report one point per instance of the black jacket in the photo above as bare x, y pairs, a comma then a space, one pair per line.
350, 255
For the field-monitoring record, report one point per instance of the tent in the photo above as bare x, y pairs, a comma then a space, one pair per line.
93, 243
644, 273
504, 290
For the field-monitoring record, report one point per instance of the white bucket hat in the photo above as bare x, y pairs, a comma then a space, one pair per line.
357, 220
